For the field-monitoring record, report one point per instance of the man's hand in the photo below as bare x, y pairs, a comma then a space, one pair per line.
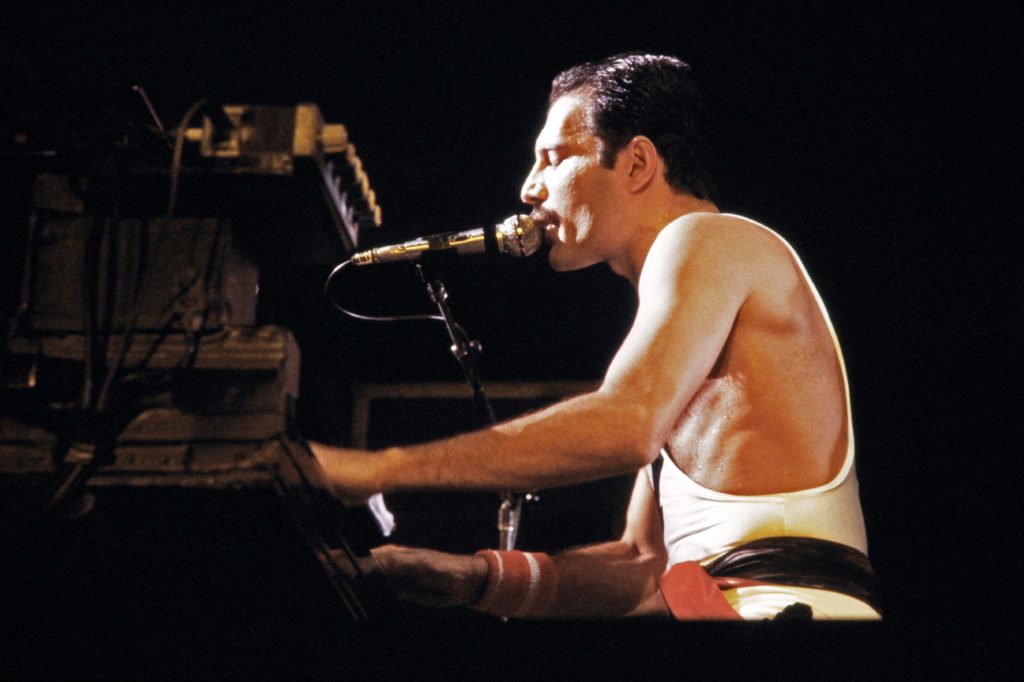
431, 578
352, 473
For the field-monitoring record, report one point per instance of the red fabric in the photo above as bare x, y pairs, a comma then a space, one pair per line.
692, 594
515, 587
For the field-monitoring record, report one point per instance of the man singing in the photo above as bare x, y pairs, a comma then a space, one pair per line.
728, 396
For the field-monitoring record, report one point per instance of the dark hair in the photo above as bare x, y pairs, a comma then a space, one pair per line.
639, 94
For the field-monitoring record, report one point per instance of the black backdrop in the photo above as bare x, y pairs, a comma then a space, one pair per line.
879, 141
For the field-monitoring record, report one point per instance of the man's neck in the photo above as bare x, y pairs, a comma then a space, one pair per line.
649, 225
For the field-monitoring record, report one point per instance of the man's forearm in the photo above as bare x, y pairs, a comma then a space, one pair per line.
582, 439
610, 580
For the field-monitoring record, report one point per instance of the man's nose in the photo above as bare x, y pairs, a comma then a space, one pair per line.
533, 192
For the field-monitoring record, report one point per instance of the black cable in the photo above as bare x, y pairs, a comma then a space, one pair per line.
90, 277
194, 335
140, 241
124, 302
370, 318
179, 147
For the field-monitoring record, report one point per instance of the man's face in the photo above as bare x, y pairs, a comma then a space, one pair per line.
572, 194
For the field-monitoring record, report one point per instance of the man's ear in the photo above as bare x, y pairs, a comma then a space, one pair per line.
642, 163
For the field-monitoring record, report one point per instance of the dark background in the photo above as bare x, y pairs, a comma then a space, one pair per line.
880, 142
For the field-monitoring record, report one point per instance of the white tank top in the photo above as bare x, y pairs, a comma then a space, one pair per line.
700, 524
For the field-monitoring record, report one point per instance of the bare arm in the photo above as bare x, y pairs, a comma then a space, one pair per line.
616, 578
692, 286
611, 579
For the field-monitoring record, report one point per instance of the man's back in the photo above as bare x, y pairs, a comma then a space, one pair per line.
772, 415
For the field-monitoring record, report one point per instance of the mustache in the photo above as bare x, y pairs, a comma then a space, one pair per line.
542, 217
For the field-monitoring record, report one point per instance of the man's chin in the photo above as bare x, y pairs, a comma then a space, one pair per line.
563, 262
557, 260
558, 266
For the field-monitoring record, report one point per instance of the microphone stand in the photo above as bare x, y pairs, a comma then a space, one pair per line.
466, 352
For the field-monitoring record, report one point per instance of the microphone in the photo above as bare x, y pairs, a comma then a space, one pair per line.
517, 236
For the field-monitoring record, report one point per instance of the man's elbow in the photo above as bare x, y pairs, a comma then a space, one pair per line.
642, 440
627, 429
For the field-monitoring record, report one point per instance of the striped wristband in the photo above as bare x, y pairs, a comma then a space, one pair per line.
519, 584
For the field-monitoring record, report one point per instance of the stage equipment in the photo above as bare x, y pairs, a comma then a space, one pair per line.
140, 386
522, 237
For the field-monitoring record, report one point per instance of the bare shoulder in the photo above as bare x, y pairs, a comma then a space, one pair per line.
716, 245
719, 231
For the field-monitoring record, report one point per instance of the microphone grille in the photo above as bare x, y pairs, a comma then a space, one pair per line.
519, 236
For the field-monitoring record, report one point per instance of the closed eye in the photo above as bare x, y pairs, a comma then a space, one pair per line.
551, 156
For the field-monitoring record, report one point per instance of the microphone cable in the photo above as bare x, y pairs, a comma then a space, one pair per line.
369, 318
